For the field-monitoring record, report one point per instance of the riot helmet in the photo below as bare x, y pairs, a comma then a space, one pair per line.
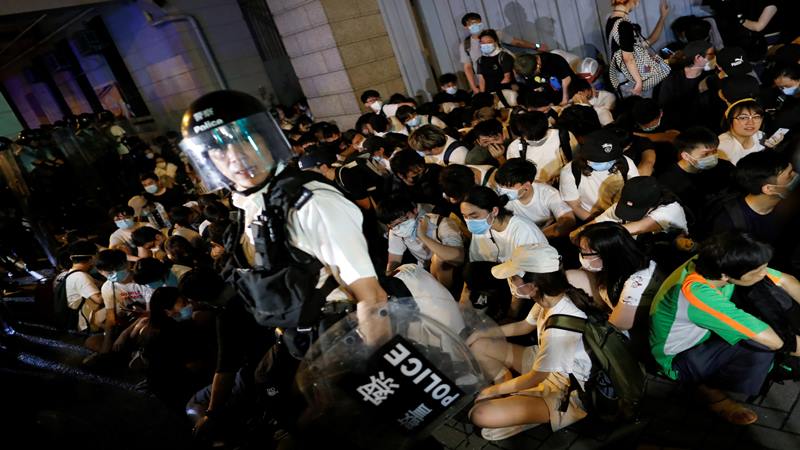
232, 141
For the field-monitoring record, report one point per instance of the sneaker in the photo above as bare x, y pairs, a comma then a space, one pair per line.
498, 434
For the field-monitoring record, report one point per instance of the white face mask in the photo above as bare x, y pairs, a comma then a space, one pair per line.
512, 194
451, 90
405, 229
516, 293
376, 106
711, 64
588, 264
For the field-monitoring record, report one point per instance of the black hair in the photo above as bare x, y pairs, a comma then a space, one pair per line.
645, 110
215, 232
694, 137
515, 171
349, 135
120, 209
491, 127
529, 98
579, 120
531, 126
404, 160
619, 252
578, 84
470, 16
328, 130
216, 212
143, 235
201, 285
447, 78
111, 260
162, 300
399, 98
732, 254
148, 270
366, 95
482, 100
554, 284
491, 33
404, 113
374, 143
180, 215
148, 176
487, 199
180, 250
757, 169
378, 122
393, 207
791, 71
81, 251
456, 180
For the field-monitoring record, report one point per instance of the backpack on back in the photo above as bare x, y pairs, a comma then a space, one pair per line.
615, 388
66, 317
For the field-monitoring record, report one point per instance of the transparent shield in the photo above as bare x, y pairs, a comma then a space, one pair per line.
238, 155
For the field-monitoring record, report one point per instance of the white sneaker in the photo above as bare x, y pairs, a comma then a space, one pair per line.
498, 434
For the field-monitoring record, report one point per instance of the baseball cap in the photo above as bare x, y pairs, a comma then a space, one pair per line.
733, 61
534, 258
601, 146
588, 68
638, 195
695, 48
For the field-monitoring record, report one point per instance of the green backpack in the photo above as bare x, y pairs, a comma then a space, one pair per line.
615, 387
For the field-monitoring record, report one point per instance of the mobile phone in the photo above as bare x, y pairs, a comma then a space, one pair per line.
667, 51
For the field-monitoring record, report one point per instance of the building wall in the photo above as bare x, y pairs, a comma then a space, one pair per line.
9, 125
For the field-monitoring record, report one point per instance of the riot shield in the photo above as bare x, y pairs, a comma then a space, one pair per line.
394, 392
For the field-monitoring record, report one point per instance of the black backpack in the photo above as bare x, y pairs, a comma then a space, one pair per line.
279, 289
615, 388
66, 318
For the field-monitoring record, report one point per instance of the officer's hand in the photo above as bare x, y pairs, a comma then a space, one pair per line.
204, 428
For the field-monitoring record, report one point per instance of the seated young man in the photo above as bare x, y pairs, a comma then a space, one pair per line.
372, 100
490, 143
438, 147
419, 181
457, 180
433, 240
697, 334
412, 119
450, 97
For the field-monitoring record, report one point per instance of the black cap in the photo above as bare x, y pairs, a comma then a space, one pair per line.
696, 48
601, 146
218, 108
733, 61
316, 156
638, 195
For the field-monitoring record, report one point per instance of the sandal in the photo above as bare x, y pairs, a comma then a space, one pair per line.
733, 411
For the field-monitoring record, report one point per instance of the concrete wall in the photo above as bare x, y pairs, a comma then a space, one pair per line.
9, 125
338, 48
167, 63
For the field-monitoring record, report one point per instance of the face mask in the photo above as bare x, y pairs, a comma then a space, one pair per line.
117, 276
184, 314
478, 226
124, 224
476, 28
376, 106
587, 265
151, 188
710, 65
653, 128
789, 187
705, 163
413, 122
156, 284
515, 292
601, 166
790, 91
451, 90
512, 194
149, 155
405, 229
487, 49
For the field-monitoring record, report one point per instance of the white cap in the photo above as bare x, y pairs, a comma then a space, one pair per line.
534, 258
589, 66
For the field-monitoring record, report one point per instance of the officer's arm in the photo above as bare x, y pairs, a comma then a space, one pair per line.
367, 290
370, 296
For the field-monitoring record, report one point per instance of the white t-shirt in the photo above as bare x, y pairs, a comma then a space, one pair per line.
446, 232
328, 226
559, 350
603, 104
433, 299
125, 295
670, 217
424, 120
634, 286
124, 237
543, 208
457, 156
497, 246
598, 190
80, 285
732, 150
546, 154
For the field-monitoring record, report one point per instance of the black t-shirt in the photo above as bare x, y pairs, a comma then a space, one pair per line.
627, 33
678, 96
637, 146
361, 177
461, 96
494, 68
696, 190
169, 199
241, 341
555, 66
763, 227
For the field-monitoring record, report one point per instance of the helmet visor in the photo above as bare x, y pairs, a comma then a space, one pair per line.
238, 155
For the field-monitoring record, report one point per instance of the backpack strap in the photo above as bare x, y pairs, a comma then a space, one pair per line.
450, 149
439, 220
566, 147
565, 322
467, 45
523, 152
488, 175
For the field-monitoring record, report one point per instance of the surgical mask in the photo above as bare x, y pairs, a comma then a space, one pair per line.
451, 90
478, 226
790, 91
653, 128
117, 276
512, 194
476, 28
487, 49
405, 229
156, 284
587, 265
705, 163
124, 224
515, 292
790, 186
184, 314
413, 122
601, 166
151, 188
710, 65
376, 106
149, 155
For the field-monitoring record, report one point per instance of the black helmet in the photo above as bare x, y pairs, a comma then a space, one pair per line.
232, 141
85, 119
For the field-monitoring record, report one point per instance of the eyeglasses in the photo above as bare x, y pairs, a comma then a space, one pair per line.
744, 118
589, 254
